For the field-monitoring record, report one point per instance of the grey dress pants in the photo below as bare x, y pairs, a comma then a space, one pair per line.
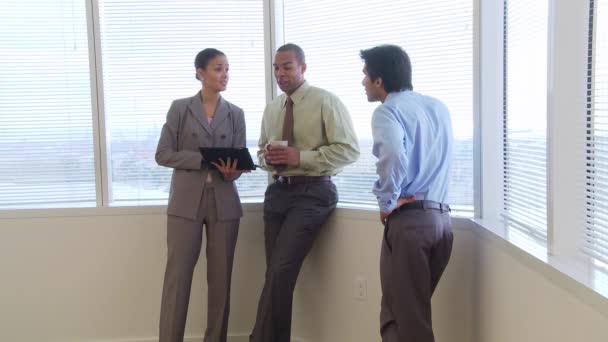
184, 239
293, 217
415, 251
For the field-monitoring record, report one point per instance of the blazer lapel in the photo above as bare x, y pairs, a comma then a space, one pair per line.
196, 110
221, 113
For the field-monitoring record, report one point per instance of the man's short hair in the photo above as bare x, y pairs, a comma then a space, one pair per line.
392, 64
295, 48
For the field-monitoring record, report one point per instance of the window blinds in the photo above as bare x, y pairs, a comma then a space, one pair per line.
438, 36
46, 135
596, 218
147, 51
525, 117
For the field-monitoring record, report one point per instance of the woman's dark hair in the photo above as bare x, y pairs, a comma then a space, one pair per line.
392, 64
203, 58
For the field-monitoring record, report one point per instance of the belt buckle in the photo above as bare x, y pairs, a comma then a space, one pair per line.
284, 179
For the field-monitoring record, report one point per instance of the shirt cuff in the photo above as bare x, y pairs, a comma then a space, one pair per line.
388, 205
307, 159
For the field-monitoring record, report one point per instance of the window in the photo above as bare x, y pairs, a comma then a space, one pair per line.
147, 54
85, 86
525, 117
333, 32
596, 218
46, 121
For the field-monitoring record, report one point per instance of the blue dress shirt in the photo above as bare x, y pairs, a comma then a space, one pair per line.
413, 143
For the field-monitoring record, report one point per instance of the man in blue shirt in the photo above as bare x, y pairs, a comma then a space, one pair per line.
413, 143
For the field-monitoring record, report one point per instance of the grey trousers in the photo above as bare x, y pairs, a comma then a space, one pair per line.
293, 216
416, 249
184, 239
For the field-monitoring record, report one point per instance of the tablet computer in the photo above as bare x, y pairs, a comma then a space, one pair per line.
214, 154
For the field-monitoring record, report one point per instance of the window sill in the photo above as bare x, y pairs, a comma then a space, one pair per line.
364, 212
588, 283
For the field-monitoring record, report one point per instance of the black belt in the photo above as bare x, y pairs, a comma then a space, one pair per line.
301, 179
424, 204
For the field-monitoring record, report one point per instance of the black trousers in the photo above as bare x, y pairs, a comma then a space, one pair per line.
416, 249
293, 217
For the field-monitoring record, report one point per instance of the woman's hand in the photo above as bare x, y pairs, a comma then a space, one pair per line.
228, 169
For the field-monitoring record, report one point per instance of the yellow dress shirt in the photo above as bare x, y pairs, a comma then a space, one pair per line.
323, 132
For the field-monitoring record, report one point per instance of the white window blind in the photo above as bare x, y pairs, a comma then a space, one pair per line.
596, 223
525, 118
437, 35
148, 50
46, 134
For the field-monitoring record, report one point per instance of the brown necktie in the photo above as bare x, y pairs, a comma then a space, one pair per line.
288, 122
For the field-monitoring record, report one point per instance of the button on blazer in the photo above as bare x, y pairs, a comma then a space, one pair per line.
185, 130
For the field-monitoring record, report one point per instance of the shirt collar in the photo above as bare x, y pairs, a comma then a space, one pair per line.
391, 95
298, 95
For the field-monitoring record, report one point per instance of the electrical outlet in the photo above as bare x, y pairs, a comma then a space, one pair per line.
361, 288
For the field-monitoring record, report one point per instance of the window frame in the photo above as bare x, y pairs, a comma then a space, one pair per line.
476, 158
273, 37
567, 56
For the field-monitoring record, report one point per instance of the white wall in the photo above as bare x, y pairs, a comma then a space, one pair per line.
99, 278
519, 298
349, 247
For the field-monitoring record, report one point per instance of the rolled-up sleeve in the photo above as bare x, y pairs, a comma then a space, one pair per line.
390, 149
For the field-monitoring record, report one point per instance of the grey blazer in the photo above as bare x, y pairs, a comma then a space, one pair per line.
178, 147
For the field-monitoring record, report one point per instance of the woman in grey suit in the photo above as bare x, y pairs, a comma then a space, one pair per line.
200, 195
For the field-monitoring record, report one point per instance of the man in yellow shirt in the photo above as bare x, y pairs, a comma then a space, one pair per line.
320, 139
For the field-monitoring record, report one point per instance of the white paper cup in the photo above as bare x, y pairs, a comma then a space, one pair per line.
277, 143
